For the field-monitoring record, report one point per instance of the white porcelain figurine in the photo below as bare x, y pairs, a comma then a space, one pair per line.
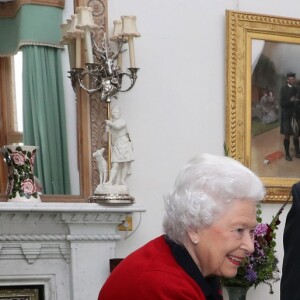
121, 155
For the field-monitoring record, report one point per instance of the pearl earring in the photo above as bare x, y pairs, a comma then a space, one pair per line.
196, 242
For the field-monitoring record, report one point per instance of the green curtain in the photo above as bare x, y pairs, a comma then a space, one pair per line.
44, 116
34, 25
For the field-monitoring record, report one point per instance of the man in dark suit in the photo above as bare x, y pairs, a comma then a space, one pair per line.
289, 124
289, 285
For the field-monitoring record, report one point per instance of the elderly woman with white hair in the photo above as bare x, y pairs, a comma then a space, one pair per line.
209, 222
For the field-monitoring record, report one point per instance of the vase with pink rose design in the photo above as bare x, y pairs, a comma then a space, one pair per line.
21, 181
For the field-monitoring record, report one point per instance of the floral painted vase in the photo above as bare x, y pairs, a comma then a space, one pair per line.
237, 292
20, 163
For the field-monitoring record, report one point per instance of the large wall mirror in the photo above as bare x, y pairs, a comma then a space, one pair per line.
86, 127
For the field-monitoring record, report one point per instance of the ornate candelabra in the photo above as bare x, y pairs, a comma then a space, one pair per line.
103, 68
102, 74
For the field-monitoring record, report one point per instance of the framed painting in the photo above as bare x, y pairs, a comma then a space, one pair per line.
262, 52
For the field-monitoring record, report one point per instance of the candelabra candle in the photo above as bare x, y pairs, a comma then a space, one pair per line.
88, 45
72, 53
86, 23
131, 52
69, 42
75, 33
78, 51
118, 38
129, 30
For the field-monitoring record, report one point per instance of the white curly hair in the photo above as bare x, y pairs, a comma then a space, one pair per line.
203, 189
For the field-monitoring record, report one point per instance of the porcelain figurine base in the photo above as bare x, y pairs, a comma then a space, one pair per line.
112, 199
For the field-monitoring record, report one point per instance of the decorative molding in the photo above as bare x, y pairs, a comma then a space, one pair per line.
28, 217
98, 109
93, 237
10, 9
31, 251
88, 218
41, 231
65, 217
32, 237
98, 115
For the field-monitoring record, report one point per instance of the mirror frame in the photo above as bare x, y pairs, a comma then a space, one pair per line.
88, 121
242, 27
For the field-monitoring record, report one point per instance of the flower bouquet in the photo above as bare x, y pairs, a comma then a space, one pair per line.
260, 266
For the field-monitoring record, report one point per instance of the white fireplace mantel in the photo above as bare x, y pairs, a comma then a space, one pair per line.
65, 247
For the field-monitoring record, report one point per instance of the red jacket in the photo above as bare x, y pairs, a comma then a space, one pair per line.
150, 273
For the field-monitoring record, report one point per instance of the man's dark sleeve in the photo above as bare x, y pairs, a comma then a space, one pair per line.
290, 284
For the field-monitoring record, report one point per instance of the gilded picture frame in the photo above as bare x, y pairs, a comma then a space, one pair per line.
243, 29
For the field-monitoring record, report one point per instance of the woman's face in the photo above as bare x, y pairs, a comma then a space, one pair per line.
223, 245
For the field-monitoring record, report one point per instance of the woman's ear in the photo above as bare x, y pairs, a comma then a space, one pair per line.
193, 236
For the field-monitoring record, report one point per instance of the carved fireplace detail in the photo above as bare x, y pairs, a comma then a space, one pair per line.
66, 247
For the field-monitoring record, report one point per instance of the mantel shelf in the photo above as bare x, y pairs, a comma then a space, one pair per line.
67, 207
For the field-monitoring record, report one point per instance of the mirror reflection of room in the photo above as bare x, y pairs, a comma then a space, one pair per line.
33, 100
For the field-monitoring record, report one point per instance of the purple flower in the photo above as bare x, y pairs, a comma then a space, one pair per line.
261, 230
251, 275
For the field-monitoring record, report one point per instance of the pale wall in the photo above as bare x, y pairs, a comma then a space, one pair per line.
177, 108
